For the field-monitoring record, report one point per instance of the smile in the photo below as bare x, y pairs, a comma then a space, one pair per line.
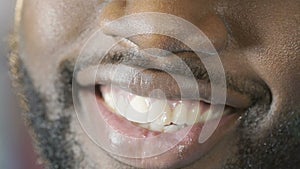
156, 114
165, 127
179, 119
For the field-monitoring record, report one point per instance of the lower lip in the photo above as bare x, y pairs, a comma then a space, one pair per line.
183, 153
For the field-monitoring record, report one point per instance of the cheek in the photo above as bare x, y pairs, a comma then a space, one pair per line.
47, 25
268, 33
278, 66
47, 29
277, 61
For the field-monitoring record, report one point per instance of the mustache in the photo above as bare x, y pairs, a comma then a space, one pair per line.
250, 153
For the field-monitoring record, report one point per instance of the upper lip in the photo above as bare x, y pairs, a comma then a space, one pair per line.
127, 70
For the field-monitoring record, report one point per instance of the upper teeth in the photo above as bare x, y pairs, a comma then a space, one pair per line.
155, 114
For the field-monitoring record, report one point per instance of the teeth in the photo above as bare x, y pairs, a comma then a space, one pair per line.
140, 104
205, 116
108, 99
171, 128
209, 115
157, 108
180, 114
165, 118
144, 125
121, 105
156, 126
159, 115
193, 115
162, 121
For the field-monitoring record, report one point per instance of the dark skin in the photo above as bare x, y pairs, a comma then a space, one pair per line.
257, 40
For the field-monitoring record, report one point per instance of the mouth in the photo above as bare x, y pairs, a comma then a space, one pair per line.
180, 120
157, 115
155, 131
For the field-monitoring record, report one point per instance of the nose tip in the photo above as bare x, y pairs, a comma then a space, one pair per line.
210, 24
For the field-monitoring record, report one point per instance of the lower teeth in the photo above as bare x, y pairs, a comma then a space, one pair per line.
174, 116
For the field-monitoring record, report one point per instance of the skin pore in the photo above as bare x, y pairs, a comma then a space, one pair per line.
256, 40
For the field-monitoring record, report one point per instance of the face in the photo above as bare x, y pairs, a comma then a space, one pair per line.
258, 46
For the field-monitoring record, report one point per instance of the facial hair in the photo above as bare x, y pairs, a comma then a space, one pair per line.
56, 143
52, 138
279, 148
